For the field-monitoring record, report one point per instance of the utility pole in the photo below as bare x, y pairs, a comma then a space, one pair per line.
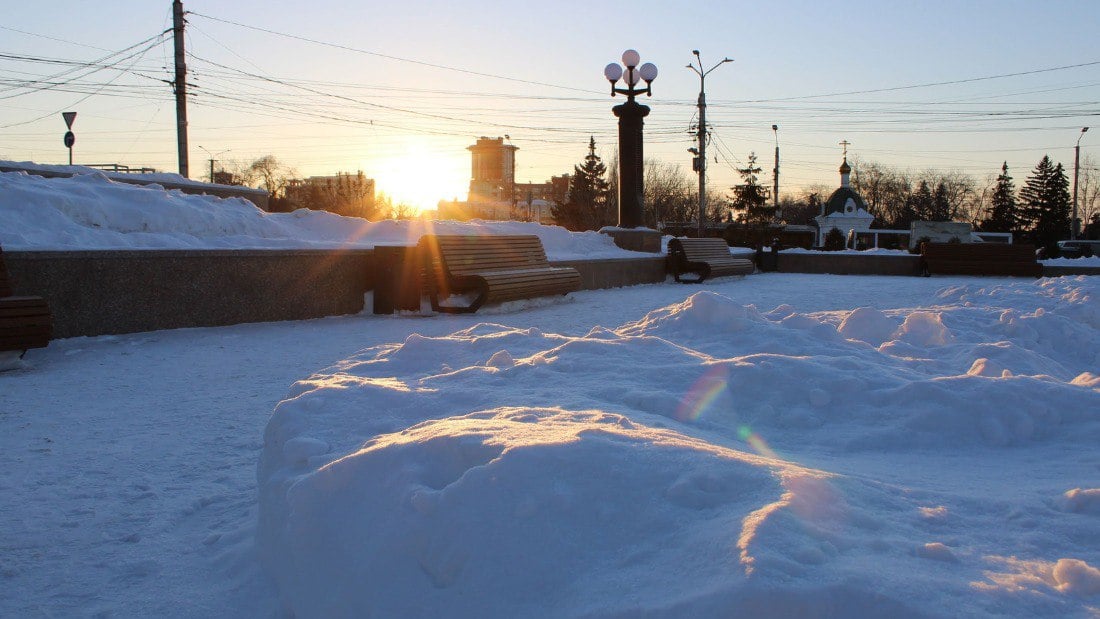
701, 168
1076, 164
775, 176
180, 87
213, 158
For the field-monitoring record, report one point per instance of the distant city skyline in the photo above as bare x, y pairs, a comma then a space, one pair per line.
401, 90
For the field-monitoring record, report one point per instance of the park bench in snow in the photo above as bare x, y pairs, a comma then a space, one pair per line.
492, 268
705, 257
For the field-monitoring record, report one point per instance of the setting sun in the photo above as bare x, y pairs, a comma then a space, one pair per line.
422, 176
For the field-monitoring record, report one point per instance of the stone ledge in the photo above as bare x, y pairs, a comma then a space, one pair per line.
102, 292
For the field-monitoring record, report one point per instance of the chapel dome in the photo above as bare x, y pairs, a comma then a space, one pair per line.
844, 201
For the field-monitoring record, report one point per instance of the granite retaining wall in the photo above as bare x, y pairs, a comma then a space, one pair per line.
112, 292
123, 291
848, 264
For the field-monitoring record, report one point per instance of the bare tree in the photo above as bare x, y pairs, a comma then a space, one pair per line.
1088, 191
891, 193
351, 195
801, 208
269, 173
668, 193
887, 191
957, 189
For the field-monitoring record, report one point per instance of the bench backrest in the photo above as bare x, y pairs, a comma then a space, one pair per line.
993, 252
455, 254
699, 249
5, 281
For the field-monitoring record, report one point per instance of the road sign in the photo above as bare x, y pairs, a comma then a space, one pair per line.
70, 139
69, 118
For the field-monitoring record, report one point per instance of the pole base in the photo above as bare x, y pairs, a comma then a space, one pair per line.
635, 239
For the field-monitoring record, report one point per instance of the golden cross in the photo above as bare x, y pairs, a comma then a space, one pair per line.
845, 144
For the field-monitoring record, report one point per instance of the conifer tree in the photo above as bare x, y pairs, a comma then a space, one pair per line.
1045, 203
750, 198
920, 202
941, 207
1002, 210
586, 206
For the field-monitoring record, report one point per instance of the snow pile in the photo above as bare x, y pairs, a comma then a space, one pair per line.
91, 211
704, 458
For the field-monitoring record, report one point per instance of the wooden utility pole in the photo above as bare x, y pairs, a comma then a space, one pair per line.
180, 87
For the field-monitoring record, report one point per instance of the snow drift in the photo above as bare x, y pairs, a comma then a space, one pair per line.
711, 468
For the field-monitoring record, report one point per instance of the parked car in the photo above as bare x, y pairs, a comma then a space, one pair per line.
1079, 248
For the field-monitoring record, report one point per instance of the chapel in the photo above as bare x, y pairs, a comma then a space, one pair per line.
845, 209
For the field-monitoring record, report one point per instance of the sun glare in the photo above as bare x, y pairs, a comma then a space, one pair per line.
422, 176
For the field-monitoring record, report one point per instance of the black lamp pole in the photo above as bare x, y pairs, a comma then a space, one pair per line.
1076, 163
630, 115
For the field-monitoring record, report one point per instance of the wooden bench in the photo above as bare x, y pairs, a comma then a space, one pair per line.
705, 257
979, 259
494, 268
25, 322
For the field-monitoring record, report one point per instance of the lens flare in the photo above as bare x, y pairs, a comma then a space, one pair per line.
756, 441
702, 394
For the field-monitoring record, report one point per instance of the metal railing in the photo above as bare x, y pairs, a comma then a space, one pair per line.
118, 167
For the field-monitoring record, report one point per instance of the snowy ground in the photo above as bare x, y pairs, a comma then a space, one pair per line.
776, 445
932, 485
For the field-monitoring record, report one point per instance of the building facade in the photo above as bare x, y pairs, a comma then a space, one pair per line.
492, 171
494, 193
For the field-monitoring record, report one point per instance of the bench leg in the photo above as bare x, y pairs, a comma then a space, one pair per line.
702, 274
482, 294
454, 309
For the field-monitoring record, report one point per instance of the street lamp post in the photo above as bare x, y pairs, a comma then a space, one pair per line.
775, 177
630, 114
1076, 164
702, 158
213, 158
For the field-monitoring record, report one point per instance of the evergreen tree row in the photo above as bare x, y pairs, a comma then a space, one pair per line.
1041, 209
1038, 213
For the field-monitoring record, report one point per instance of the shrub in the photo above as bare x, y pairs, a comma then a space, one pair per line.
834, 240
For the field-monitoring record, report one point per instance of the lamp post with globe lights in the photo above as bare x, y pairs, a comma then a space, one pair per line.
630, 114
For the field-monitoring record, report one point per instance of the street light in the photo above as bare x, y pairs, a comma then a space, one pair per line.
775, 177
702, 159
630, 114
213, 157
1076, 163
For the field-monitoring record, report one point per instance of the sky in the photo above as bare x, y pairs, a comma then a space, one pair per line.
399, 90
774, 445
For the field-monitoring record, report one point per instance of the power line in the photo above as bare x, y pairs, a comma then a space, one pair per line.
931, 84
43, 36
100, 64
137, 56
387, 56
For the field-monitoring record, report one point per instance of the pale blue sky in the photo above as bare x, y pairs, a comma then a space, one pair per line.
365, 106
